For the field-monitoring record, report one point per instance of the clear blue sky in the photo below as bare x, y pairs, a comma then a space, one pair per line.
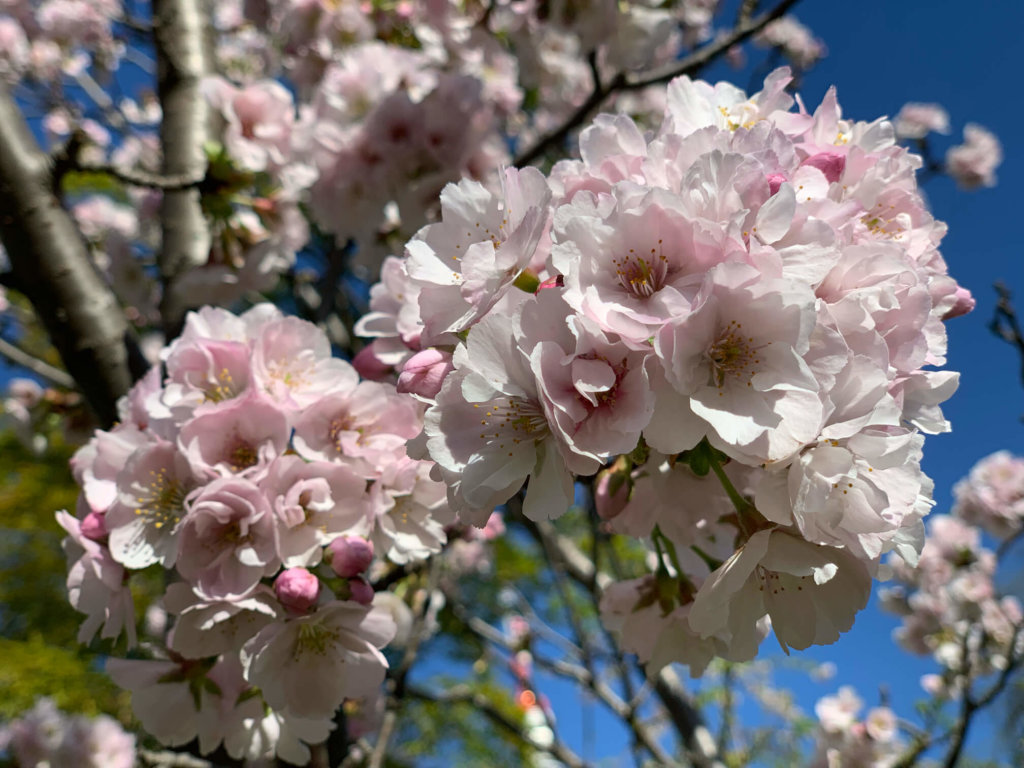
882, 54
966, 56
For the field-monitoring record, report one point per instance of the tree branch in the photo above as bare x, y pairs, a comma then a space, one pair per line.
184, 54
41, 368
464, 695
137, 177
397, 681
1004, 323
704, 56
700, 746
52, 265
622, 81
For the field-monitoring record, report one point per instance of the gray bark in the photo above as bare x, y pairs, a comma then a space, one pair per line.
52, 267
184, 53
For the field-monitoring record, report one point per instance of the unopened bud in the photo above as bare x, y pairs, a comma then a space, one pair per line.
297, 589
832, 164
360, 591
775, 180
611, 493
963, 303
368, 366
94, 527
424, 373
349, 555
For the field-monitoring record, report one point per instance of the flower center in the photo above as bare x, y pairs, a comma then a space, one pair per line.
642, 276
733, 355
242, 456
513, 420
161, 499
222, 388
314, 639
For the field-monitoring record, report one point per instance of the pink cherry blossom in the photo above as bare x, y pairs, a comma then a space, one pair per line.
227, 541
973, 163
916, 120
307, 666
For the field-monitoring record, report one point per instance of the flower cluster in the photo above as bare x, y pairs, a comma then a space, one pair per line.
45, 736
730, 319
951, 605
264, 476
844, 739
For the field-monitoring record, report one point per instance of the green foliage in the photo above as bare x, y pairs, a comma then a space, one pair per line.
435, 734
34, 668
32, 593
38, 628
83, 183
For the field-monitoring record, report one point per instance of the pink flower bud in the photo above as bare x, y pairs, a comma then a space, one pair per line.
775, 180
558, 281
832, 164
962, 304
424, 373
94, 527
349, 555
297, 589
611, 502
368, 366
361, 591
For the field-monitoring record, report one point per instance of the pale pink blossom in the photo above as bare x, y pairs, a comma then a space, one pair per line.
973, 164
811, 593
313, 503
364, 428
208, 626
737, 357
96, 586
35, 737
292, 363
796, 41
466, 262
96, 742
167, 703
227, 541
240, 438
307, 666
259, 120
143, 521
488, 431
410, 511
916, 120
992, 496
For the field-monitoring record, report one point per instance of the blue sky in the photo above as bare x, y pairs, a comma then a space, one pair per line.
882, 54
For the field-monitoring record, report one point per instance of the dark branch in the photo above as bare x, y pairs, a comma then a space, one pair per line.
1005, 325
52, 265
483, 705
622, 81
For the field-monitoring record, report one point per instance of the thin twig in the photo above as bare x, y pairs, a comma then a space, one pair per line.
1004, 323
41, 368
140, 178
396, 683
622, 81
483, 705
684, 716
102, 100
